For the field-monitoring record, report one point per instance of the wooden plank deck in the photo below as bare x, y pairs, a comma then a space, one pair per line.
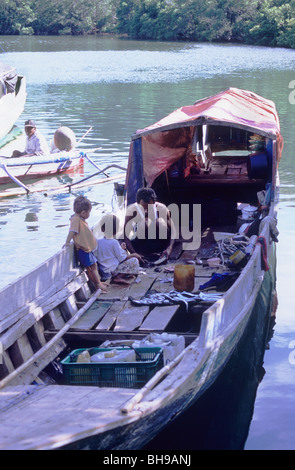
111, 316
92, 316
67, 418
159, 318
114, 311
131, 317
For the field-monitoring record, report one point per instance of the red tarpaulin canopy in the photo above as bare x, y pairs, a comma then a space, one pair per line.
232, 107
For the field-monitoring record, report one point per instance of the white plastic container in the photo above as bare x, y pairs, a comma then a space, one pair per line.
249, 212
222, 236
119, 343
172, 345
83, 357
114, 355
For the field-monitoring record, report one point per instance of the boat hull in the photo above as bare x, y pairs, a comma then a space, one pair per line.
12, 106
135, 436
201, 363
25, 168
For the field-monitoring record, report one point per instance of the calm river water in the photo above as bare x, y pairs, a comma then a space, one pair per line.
118, 86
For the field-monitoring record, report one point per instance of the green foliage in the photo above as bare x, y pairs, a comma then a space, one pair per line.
69, 16
190, 20
261, 22
16, 17
57, 16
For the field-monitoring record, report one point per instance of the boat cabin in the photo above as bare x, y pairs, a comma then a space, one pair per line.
218, 170
215, 153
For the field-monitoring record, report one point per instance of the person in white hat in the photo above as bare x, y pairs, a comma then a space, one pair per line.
35, 143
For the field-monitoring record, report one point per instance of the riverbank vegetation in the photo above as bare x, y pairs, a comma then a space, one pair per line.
259, 22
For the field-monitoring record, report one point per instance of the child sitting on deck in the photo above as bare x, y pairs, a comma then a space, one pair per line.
84, 240
113, 261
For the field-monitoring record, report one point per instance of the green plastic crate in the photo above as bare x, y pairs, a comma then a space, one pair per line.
113, 374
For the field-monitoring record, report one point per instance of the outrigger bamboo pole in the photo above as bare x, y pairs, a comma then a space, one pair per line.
96, 166
16, 180
97, 173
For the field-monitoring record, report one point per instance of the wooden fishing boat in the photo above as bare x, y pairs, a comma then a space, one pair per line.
49, 317
12, 97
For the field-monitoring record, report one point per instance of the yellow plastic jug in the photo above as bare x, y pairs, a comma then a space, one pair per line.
184, 277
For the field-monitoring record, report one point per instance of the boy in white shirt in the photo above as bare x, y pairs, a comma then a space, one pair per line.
113, 261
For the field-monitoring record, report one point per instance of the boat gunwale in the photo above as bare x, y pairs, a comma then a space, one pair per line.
31, 161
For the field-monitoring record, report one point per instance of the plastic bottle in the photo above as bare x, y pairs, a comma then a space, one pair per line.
251, 245
238, 257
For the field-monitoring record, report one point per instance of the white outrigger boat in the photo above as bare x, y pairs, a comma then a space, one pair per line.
50, 317
15, 173
22, 175
40, 166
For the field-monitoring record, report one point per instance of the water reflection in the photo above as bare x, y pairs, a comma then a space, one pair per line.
31, 217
